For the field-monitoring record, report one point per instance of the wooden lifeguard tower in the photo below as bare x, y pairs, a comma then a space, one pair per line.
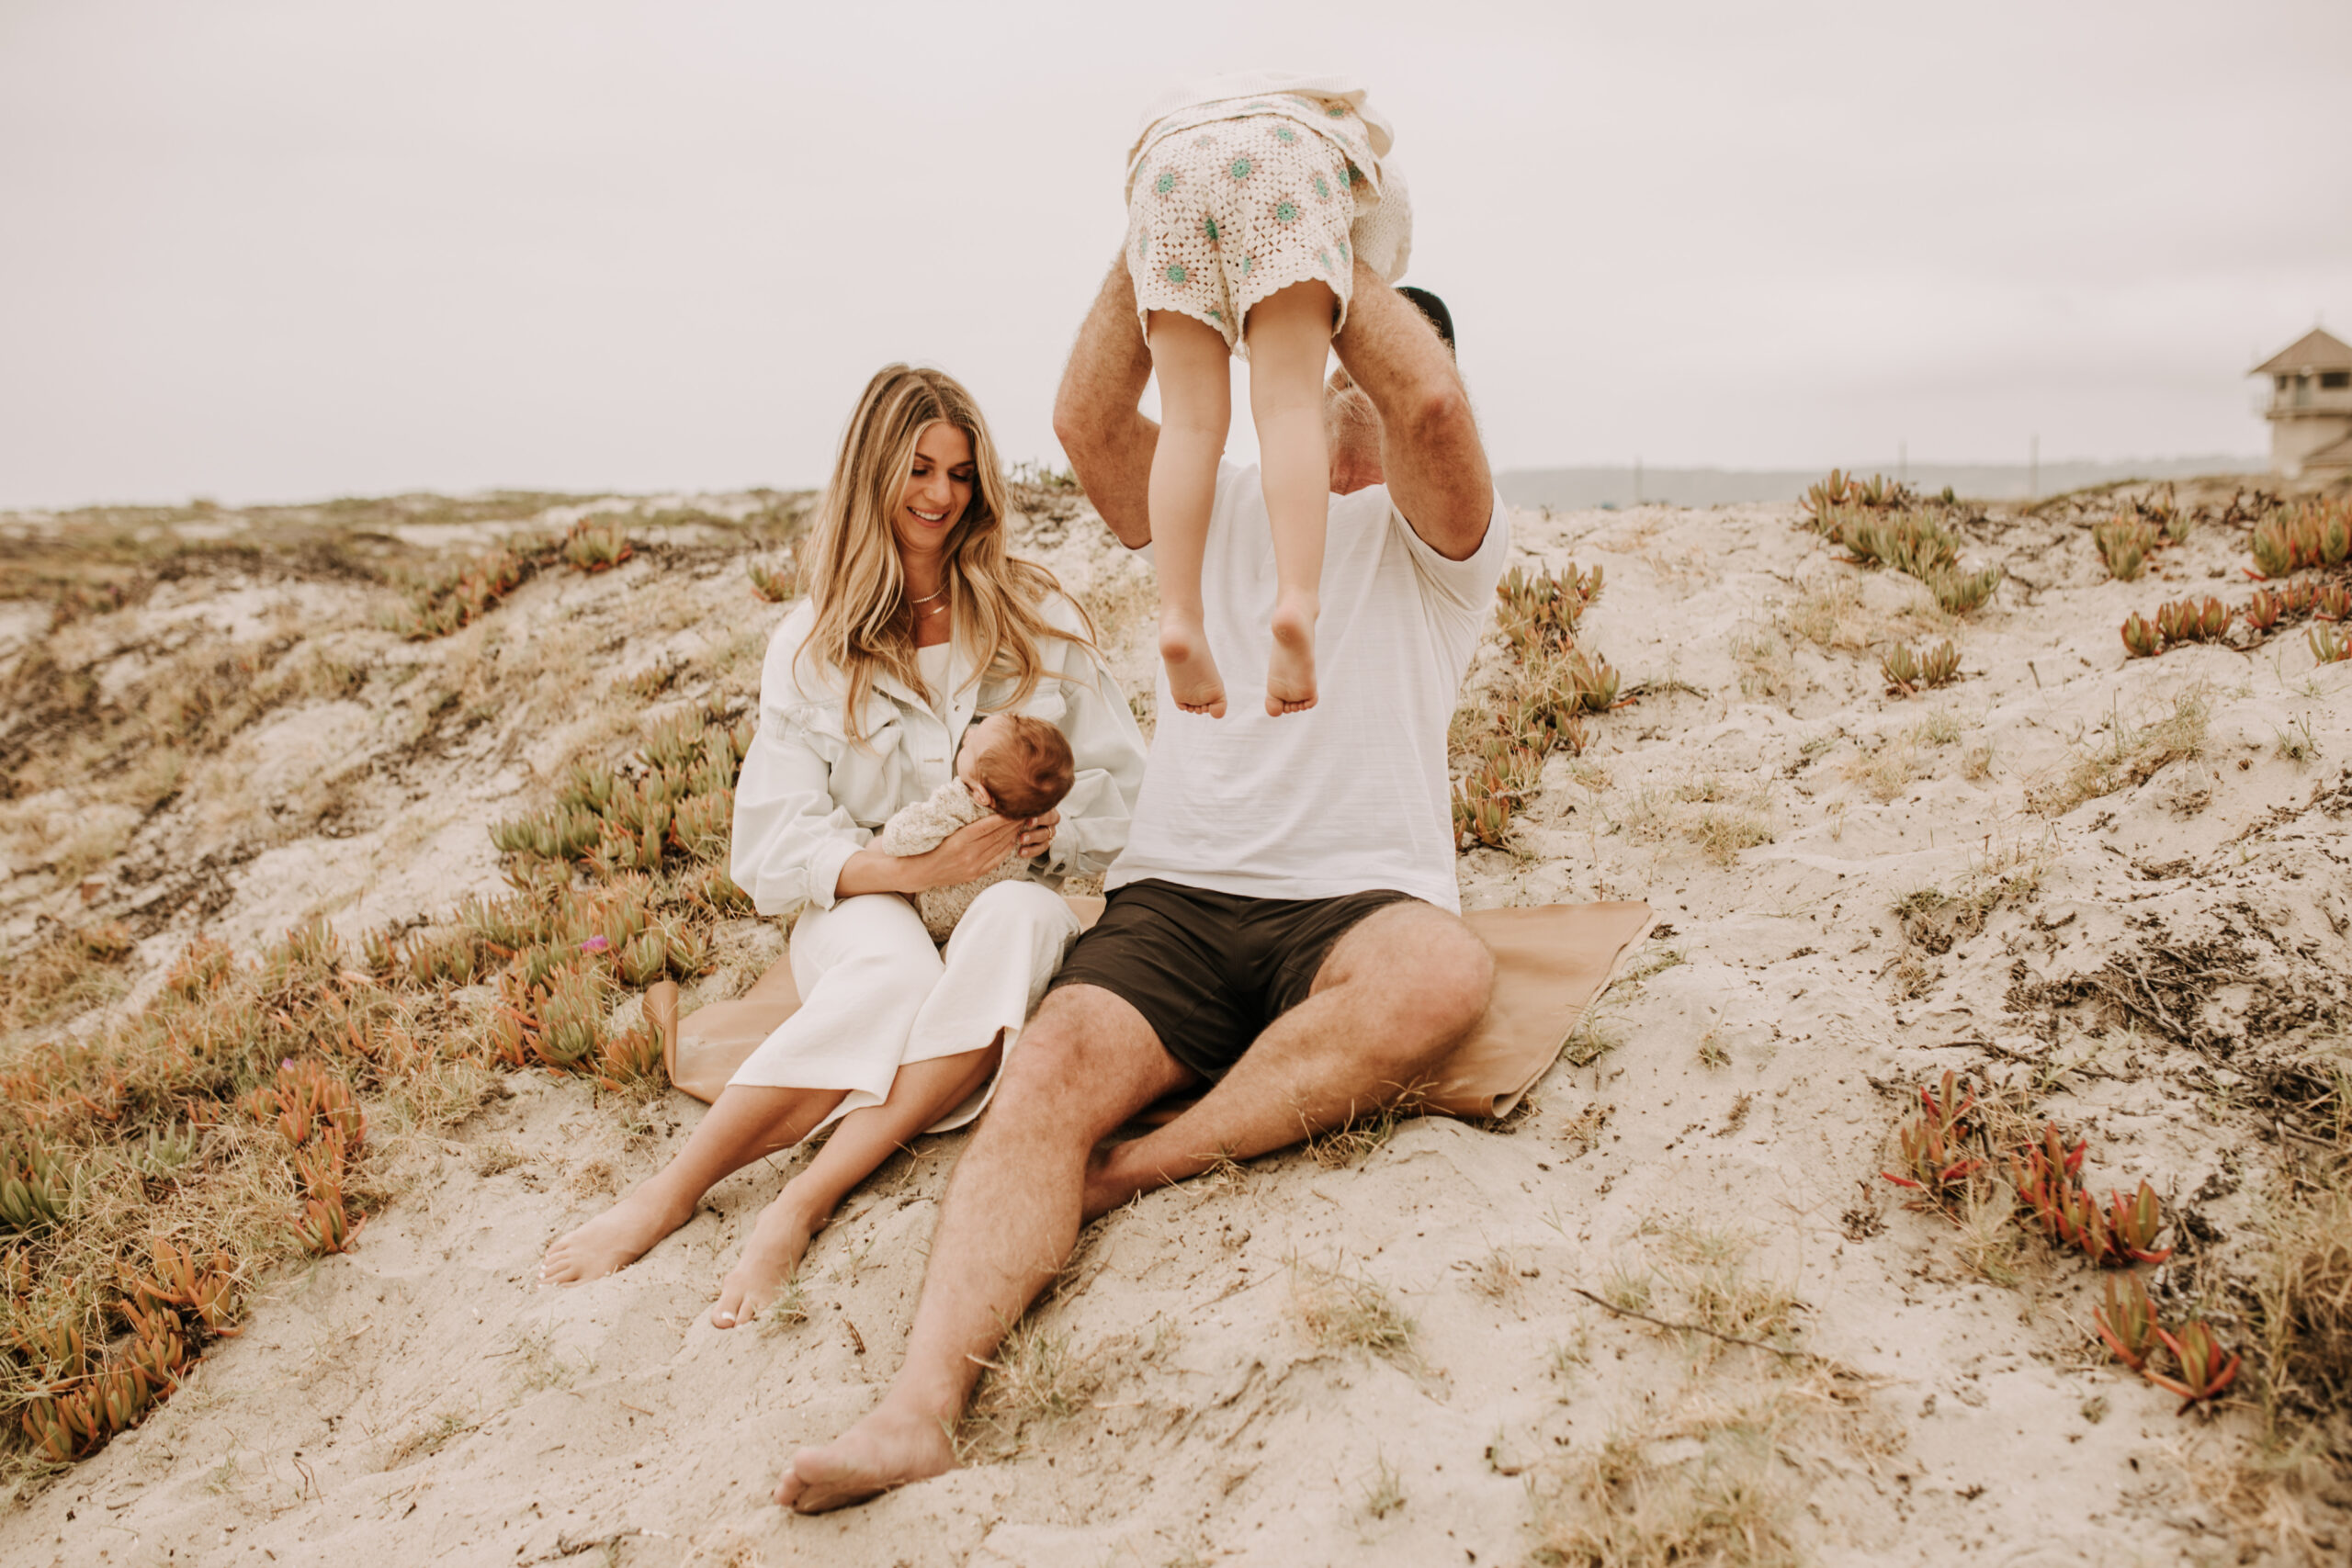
2309, 406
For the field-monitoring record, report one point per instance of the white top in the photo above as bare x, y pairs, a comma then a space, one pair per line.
1381, 234
1351, 795
808, 797
936, 663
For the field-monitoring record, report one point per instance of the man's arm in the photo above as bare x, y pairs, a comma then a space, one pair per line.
1096, 419
1434, 464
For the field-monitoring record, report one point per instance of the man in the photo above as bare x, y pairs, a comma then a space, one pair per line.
1285, 922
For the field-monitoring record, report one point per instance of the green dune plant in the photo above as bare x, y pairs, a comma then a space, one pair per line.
775, 584
596, 543
1884, 525
2124, 543
2318, 533
1910, 672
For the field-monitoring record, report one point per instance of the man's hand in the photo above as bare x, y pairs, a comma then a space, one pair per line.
1096, 419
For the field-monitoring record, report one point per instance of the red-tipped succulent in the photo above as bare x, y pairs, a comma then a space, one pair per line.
2128, 1322
2132, 1224
2206, 1368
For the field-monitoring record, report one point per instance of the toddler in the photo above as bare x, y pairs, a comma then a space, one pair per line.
1011, 764
1248, 199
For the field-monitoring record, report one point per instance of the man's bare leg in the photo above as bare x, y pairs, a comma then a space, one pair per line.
1394, 995
1195, 407
744, 1124
921, 1094
1289, 342
1087, 1062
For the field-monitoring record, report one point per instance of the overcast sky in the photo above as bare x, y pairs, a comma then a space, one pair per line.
259, 252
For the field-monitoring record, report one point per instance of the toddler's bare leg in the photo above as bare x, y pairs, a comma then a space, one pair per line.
919, 1094
1290, 339
1195, 405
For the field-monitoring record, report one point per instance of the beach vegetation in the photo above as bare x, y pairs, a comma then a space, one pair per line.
1343, 1309
2132, 753
1384, 1494
1910, 673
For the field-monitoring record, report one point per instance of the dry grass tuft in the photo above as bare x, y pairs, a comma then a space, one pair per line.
1706, 1492
1703, 812
1035, 1379
2131, 755
66, 972
1357, 1139
1828, 612
1767, 672
1349, 1312
2302, 1292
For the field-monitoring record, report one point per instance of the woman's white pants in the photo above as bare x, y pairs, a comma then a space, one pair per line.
874, 994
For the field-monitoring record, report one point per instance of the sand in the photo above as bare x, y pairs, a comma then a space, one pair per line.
421, 1400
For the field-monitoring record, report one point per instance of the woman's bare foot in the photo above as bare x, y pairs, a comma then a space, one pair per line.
1194, 683
613, 1240
768, 1258
1290, 670
886, 1449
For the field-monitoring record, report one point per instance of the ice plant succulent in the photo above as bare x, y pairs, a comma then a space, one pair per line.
2206, 1369
1908, 672
2132, 1224
2141, 638
2124, 542
1934, 1140
2128, 1322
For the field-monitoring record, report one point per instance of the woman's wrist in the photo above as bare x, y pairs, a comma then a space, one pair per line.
875, 871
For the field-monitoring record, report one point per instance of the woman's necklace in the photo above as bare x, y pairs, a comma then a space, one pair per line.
927, 598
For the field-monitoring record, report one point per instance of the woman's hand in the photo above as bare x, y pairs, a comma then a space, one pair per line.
972, 850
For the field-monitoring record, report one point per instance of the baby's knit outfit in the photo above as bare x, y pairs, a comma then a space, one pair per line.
1244, 185
919, 828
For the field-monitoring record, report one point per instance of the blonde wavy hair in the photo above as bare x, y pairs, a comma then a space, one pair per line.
859, 590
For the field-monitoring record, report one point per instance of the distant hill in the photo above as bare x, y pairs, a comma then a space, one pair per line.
1568, 488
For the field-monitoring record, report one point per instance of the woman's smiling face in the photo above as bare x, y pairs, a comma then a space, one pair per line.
938, 489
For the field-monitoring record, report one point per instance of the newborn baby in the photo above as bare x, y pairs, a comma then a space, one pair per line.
1011, 764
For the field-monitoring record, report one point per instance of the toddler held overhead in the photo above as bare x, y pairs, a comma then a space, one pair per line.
1251, 199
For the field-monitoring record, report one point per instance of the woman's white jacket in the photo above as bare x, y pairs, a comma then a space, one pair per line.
808, 797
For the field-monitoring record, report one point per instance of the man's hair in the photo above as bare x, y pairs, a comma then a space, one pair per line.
1029, 773
1434, 309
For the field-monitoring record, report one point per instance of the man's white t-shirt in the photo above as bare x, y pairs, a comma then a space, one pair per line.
1351, 795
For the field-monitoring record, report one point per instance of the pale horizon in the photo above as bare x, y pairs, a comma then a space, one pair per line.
277, 252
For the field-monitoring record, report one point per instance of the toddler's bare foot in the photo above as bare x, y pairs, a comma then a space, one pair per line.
886, 1449
1194, 683
613, 1240
769, 1257
1290, 672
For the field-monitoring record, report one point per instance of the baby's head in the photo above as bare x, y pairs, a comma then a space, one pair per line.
1015, 765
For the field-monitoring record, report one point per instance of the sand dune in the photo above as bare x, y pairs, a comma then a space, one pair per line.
1388, 1348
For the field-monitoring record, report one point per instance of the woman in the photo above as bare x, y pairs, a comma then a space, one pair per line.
916, 620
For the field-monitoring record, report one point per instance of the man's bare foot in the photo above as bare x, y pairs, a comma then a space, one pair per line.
613, 1240
769, 1257
1290, 670
886, 1449
1194, 683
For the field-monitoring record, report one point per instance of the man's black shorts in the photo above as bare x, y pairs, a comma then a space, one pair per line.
1209, 971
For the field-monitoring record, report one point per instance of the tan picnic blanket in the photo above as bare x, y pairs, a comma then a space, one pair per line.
1551, 963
